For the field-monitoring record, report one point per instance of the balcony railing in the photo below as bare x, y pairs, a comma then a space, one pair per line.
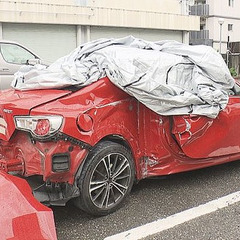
203, 34
200, 37
199, 10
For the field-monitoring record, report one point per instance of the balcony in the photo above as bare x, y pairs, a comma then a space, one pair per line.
200, 10
200, 37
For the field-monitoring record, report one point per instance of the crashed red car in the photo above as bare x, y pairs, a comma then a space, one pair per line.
92, 143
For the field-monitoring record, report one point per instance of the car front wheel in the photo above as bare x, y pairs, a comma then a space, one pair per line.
106, 179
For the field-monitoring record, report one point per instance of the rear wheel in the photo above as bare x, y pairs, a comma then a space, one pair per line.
106, 179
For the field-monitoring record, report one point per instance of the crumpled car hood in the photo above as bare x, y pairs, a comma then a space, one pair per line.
15, 103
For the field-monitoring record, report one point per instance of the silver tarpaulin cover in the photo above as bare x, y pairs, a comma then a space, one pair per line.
169, 77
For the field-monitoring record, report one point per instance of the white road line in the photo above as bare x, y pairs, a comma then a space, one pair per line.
176, 219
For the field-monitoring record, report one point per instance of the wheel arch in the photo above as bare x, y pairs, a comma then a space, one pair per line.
113, 138
118, 139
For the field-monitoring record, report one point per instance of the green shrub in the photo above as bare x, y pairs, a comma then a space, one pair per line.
233, 71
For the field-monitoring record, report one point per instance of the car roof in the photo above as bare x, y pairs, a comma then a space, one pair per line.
8, 41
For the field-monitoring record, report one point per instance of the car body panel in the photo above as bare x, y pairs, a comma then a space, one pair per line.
202, 137
163, 154
14, 103
101, 105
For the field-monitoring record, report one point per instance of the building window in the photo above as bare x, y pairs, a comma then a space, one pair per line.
230, 27
199, 2
230, 3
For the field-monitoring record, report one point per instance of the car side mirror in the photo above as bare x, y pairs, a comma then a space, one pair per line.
34, 61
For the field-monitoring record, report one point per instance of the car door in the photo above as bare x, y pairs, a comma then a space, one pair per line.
202, 137
155, 140
12, 57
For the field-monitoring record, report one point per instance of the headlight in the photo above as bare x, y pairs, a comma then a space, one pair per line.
40, 126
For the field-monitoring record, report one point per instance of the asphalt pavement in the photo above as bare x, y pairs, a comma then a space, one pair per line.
158, 198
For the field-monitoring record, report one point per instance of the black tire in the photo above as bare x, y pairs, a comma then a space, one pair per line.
106, 179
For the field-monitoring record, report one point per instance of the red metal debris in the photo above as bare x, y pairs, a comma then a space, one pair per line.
22, 216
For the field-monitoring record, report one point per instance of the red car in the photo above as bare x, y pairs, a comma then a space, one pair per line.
92, 143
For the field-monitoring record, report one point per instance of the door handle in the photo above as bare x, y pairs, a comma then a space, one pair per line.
4, 69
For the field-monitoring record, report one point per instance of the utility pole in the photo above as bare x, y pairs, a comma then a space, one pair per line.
220, 21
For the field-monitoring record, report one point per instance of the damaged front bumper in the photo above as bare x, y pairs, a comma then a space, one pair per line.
11, 165
54, 163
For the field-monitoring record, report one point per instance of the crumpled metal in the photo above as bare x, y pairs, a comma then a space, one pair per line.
168, 77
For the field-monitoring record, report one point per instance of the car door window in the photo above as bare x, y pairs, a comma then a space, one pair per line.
13, 53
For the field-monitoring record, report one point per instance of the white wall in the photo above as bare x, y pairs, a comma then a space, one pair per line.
147, 34
165, 6
221, 7
35, 12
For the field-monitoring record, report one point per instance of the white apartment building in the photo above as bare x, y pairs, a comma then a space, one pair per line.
220, 23
54, 28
